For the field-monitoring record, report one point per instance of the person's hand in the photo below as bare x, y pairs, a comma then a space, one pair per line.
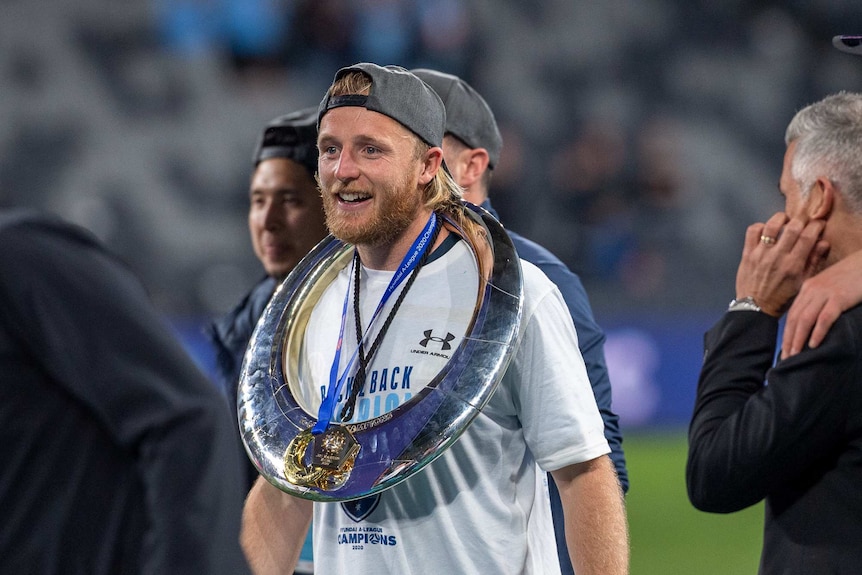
821, 300
776, 258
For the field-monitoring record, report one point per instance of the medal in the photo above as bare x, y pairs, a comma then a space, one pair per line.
333, 454
334, 449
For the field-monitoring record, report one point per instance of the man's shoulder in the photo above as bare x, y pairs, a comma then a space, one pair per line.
533, 251
539, 255
11, 217
25, 221
537, 285
848, 327
37, 244
239, 323
545, 260
854, 314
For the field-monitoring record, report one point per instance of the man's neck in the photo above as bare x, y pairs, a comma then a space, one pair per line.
844, 234
388, 257
844, 244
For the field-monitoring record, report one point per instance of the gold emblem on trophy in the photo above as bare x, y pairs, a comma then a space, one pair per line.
333, 454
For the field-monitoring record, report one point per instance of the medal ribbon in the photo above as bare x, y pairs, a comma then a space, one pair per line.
336, 381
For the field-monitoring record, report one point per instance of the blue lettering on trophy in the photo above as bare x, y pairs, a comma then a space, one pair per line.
386, 379
379, 381
362, 412
392, 401
383, 380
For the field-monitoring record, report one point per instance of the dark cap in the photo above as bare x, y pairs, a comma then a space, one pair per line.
468, 116
396, 93
849, 44
292, 136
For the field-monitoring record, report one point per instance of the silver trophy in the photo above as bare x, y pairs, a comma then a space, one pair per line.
346, 461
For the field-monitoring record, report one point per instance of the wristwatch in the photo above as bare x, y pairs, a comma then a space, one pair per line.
743, 304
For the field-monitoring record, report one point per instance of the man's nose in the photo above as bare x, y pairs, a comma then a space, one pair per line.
346, 168
273, 215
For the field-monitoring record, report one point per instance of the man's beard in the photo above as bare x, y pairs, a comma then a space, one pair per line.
395, 208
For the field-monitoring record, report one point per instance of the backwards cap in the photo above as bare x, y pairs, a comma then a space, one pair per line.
396, 93
292, 136
468, 116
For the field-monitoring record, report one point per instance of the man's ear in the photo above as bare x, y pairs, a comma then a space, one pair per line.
821, 199
431, 163
476, 162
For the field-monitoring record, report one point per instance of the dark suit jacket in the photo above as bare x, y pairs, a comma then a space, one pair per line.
791, 434
118, 456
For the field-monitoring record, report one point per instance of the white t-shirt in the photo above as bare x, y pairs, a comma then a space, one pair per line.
482, 506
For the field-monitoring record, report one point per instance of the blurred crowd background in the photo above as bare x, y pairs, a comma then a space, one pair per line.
641, 137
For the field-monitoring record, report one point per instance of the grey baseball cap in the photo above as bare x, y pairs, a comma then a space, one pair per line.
468, 116
292, 136
396, 93
849, 44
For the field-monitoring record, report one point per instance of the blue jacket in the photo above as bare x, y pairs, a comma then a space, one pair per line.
229, 336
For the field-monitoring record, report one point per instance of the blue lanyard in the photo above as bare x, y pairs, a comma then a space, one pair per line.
336, 382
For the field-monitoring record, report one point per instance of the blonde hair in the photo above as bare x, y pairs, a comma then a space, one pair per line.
828, 136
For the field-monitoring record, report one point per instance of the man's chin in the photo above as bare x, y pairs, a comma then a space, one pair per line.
372, 232
350, 231
360, 237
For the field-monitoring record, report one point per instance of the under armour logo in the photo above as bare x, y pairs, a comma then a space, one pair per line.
444, 341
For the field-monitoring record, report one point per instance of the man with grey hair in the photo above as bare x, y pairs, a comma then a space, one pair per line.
481, 506
795, 441
823, 297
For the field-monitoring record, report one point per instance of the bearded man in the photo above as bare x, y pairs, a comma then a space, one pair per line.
482, 505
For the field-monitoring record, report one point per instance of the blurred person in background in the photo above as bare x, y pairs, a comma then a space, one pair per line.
118, 454
286, 220
791, 432
471, 149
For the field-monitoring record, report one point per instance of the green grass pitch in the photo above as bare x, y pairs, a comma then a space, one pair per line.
668, 535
